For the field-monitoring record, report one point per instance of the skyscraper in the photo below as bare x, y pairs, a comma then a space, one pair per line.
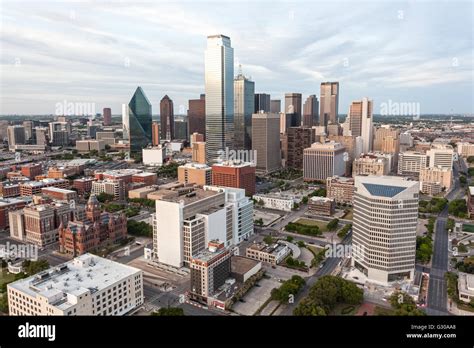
361, 122
262, 102
244, 104
107, 113
197, 115
136, 119
293, 107
167, 118
311, 111
329, 104
321, 161
219, 81
155, 134
298, 139
275, 106
266, 141
384, 227
16, 136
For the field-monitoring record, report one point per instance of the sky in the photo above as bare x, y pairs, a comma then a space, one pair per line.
98, 52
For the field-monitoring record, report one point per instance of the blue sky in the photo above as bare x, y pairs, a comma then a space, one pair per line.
99, 51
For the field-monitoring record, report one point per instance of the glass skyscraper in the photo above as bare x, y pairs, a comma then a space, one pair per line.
244, 92
136, 121
219, 80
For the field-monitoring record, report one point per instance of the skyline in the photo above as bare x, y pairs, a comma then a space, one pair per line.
411, 58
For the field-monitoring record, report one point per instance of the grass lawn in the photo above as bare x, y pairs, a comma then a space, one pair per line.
349, 215
314, 249
320, 224
6, 277
468, 228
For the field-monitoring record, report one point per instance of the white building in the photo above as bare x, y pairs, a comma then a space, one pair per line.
466, 287
384, 227
277, 201
86, 285
321, 161
411, 162
441, 156
465, 149
154, 156
185, 223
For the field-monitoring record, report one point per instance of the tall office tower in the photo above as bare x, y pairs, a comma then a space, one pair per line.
329, 103
266, 141
293, 107
275, 106
441, 156
16, 136
107, 114
285, 122
181, 129
298, 139
410, 163
350, 144
29, 135
384, 227
3, 129
311, 111
219, 80
155, 133
167, 118
197, 115
387, 140
41, 135
361, 122
244, 104
59, 132
136, 119
321, 161
262, 102
334, 129
199, 152
235, 174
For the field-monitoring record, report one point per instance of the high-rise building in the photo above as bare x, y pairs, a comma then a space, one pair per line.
236, 174
410, 163
361, 122
275, 106
155, 133
41, 134
387, 140
107, 114
136, 119
321, 161
244, 104
262, 102
167, 118
329, 103
465, 149
181, 129
285, 122
441, 156
199, 152
197, 115
195, 173
293, 107
219, 81
384, 227
311, 111
266, 141
442, 176
298, 139
16, 136
82, 286
29, 134
59, 132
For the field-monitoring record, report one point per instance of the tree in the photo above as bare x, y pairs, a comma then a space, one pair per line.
268, 240
170, 311
458, 207
332, 225
139, 228
290, 287
404, 304
305, 200
289, 239
33, 267
104, 197
301, 244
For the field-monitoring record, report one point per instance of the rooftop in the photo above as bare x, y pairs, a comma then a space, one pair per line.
241, 264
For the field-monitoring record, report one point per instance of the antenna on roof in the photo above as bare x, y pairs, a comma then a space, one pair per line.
240, 69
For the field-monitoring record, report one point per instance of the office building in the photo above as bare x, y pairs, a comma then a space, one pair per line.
321, 161
199, 152
136, 120
167, 118
266, 141
115, 188
244, 105
154, 156
195, 173
31, 170
270, 254
86, 146
197, 115
465, 149
219, 81
329, 103
298, 139
410, 163
311, 111
370, 164
441, 156
360, 120
235, 174
30, 188
41, 134
293, 108
181, 132
83, 185
86, 285
321, 206
275, 106
387, 140
16, 136
59, 132
155, 133
262, 102
440, 175
341, 189
384, 227
107, 114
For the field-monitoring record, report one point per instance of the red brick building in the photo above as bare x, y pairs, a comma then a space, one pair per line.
59, 194
7, 205
31, 170
83, 185
9, 189
145, 178
235, 174
79, 237
30, 188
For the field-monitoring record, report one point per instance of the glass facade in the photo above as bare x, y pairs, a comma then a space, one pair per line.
244, 92
219, 80
139, 121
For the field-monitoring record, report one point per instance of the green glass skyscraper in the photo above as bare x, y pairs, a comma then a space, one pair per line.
137, 121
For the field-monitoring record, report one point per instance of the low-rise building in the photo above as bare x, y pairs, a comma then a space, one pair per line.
86, 285
272, 254
115, 188
9, 189
83, 185
154, 156
31, 188
277, 201
59, 194
466, 287
321, 206
340, 189
440, 175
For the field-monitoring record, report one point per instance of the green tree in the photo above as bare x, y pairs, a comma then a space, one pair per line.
332, 225
404, 304
104, 197
268, 240
167, 312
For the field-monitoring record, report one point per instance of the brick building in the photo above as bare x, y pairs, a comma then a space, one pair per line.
236, 174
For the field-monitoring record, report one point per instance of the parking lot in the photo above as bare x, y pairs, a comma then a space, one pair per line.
256, 297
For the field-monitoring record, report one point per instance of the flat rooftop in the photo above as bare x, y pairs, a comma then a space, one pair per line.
57, 189
196, 195
242, 264
83, 274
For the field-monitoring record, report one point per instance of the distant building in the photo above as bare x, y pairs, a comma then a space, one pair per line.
244, 105
59, 194
115, 188
370, 164
293, 107
465, 149
311, 111
155, 134
31, 170
199, 152
266, 141
86, 146
197, 115
86, 285
83, 185
30, 188
441, 156
136, 121
275, 106
410, 163
360, 121
16, 136
442, 176
154, 156
262, 102
298, 139
107, 114
329, 103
